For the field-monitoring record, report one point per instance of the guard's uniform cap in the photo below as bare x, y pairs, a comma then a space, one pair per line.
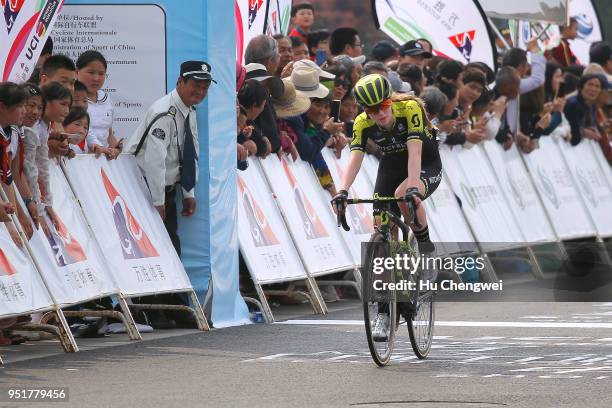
199, 70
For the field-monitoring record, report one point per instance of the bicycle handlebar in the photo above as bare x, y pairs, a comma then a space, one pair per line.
341, 216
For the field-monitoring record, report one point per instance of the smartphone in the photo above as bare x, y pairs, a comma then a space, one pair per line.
335, 110
563, 90
320, 57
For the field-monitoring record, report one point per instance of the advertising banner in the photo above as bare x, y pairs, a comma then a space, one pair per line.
265, 242
23, 33
21, 288
128, 228
589, 28
457, 29
309, 218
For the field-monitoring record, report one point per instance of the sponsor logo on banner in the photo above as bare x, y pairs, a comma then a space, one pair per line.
11, 10
6, 268
548, 187
66, 249
463, 42
39, 23
254, 6
312, 224
360, 219
585, 26
134, 241
261, 231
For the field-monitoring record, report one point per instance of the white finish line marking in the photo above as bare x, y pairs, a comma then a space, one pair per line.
553, 325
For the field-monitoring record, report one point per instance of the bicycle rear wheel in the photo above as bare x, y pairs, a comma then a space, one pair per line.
421, 324
380, 350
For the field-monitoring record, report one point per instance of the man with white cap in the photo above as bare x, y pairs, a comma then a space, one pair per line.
352, 65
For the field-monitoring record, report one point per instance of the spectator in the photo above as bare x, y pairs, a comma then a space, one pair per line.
426, 44
346, 41
302, 18
473, 85
375, 67
450, 71
253, 98
517, 58
59, 68
45, 54
76, 125
507, 84
292, 103
435, 101
352, 66
12, 112
318, 46
601, 53
349, 109
397, 84
563, 52
489, 74
263, 50
80, 96
285, 51
536, 117
91, 71
384, 51
341, 84
413, 75
57, 103
245, 132
413, 53
299, 49
581, 109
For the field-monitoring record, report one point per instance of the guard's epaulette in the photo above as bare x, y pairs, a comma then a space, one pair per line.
172, 111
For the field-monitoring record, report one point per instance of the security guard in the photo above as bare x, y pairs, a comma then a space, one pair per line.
166, 145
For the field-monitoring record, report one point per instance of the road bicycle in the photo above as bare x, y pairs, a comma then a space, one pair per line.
417, 306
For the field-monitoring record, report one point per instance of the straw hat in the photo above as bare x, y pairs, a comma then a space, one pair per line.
306, 80
291, 102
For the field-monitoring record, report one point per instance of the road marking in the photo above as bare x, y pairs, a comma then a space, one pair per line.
525, 360
554, 325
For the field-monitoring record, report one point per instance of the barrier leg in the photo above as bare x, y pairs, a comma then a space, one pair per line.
198, 312
263, 303
318, 302
604, 250
128, 319
535, 264
65, 335
357, 275
489, 269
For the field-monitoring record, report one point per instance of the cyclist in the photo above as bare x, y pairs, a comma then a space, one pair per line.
410, 165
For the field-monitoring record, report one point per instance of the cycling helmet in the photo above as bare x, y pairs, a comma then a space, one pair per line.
372, 90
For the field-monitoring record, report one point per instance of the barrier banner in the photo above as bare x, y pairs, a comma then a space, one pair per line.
21, 288
69, 257
592, 183
458, 30
483, 202
128, 228
558, 191
308, 217
521, 196
264, 240
359, 216
23, 33
446, 222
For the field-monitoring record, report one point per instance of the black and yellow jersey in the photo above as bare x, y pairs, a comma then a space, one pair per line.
409, 125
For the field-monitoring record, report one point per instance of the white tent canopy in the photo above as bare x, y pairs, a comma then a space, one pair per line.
552, 11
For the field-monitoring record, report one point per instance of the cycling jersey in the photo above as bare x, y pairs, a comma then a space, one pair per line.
409, 125
393, 168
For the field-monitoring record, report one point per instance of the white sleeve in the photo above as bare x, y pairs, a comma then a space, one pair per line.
42, 163
538, 74
154, 151
492, 127
30, 144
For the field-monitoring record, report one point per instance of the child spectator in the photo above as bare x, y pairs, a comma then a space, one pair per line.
76, 126
253, 97
58, 68
299, 48
91, 71
80, 96
302, 18
318, 46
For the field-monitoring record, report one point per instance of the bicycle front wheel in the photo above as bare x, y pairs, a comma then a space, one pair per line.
421, 324
373, 304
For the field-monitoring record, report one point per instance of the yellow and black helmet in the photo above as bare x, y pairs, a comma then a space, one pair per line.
372, 90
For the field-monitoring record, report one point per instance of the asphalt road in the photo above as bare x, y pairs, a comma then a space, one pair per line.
484, 355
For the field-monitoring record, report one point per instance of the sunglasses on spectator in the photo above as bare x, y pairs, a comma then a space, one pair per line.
372, 110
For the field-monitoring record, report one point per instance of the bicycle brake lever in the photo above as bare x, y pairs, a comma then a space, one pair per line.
342, 221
